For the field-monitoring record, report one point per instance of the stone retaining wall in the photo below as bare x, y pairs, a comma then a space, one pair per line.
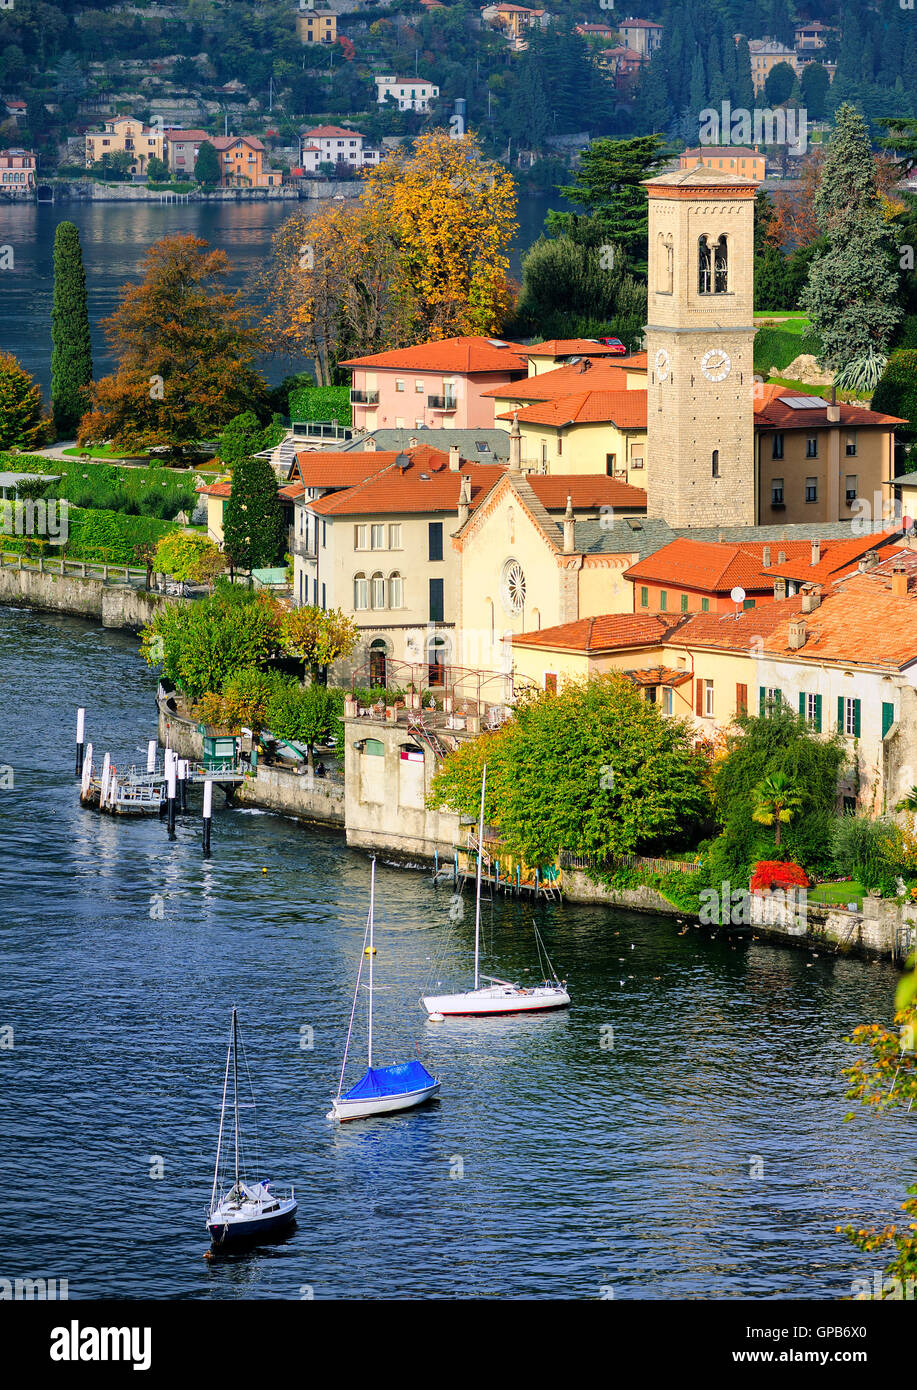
113, 605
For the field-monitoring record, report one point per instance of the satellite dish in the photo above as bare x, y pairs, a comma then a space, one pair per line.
737, 595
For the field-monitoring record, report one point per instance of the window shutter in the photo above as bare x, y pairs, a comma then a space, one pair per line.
856, 718
888, 717
778, 697
699, 696
840, 713
802, 704
818, 714
762, 701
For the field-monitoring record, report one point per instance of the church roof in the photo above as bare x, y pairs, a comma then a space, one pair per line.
700, 176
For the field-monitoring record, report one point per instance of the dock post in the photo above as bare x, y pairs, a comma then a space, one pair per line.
151, 755
87, 771
106, 778
182, 770
80, 740
455, 869
208, 812
170, 778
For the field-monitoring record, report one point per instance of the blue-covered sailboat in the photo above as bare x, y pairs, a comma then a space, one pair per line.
381, 1090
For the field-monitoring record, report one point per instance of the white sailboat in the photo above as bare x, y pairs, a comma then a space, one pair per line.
381, 1090
497, 996
247, 1211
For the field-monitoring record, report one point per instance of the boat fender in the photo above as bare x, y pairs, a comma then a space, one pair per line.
436, 1018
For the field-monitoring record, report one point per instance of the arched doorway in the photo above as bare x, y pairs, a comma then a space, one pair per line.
437, 656
377, 662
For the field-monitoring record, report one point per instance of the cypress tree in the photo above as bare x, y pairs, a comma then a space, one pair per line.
71, 353
253, 535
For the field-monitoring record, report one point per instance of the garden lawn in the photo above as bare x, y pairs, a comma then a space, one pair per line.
843, 893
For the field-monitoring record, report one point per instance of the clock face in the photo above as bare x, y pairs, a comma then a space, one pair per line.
715, 364
662, 364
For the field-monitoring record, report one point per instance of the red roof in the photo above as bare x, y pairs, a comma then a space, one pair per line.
427, 484
722, 151
171, 133
589, 490
837, 557
605, 633
564, 381
448, 355
225, 142
567, 347
332, 131
712, 566
771, 412
327, 469
215, 489
626, 409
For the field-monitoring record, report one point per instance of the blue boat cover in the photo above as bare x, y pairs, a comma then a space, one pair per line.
391, 1081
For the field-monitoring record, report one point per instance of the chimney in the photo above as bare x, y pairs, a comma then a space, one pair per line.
569, 541
868, 562
796, 634
369, 444
766, 558
899, 581
455, 460
811, 599
412, 443
816, 552
515, 445
779, 589
781, 557
833, 413
464, 499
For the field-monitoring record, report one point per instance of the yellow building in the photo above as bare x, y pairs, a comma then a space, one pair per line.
766, 54
124, 133
586, 432
314, 26
734, 159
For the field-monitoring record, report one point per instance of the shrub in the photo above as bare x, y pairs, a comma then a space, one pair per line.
777, 873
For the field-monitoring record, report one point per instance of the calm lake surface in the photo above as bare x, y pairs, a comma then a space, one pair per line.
115, 236
584, 1167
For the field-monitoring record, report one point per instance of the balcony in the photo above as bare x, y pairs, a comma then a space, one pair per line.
444, 403
364, 398
300, 545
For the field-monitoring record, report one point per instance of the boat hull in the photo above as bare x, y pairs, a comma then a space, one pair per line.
501, 999
362, 1108
228, 1231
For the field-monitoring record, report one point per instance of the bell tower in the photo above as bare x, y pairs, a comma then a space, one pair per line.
699, 338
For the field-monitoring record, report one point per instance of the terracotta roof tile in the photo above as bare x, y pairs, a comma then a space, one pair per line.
772, 413
318, 468
713, 567
448, 355
589, 490
601, 374
605, 633
626, 409
426, 485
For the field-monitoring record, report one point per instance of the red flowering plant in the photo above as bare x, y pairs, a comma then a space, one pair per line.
774, 873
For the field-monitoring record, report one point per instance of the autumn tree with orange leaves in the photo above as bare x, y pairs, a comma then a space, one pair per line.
186, 348
421, 255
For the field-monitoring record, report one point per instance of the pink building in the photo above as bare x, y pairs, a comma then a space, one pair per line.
437, 385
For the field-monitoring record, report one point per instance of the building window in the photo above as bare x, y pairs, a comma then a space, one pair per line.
436, 656
663, 600
377, 533
850, 489
644, 596
851, 446
812, 446
848, 716
550, 682
394, 536
704, 267
810, 710
360, 591
636, 462
708, 699
378, 591
777, 446
437, 609
705, 605
715, 462
888, 717
776, 492
395, 591
741, 699
684, 603
811, 489
361, 537
610, 464
667, 700
769, 697
399, 385
419, 388
435, 540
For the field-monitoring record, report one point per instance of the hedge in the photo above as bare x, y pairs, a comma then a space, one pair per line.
152, 491
321, 403
112, 537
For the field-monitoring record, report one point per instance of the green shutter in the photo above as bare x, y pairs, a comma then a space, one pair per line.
856, 719
762, 701
705, 605
802, 704
684, 603
778, 697
888, 717
663, 600
644, 597
818, 714
840, 713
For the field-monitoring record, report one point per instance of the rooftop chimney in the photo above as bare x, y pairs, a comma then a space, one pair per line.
455, 460
766, 558
515, 445
811, 598
569, 524
816, 552
833, 413
369, 444
412, 443
781, 557
464, 500
899, 581
868, 561
779, 589
796, 634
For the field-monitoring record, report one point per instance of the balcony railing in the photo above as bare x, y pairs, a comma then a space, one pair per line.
441, 402
300, 545
364, 398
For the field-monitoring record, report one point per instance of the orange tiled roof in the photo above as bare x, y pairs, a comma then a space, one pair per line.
626, 409
317, 468
568, 347
589, 490
772, 413
562, 381
428, 484
837, 558
713, 566
332, 131
605, 633
448, 355
220, 489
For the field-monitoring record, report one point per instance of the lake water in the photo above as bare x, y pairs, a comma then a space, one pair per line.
114, 238
551, 1167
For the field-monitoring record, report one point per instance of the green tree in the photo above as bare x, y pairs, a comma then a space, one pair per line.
23, 424
253, 533
594, 768
201, 645
304, 714
575, 290
71, 352
775, 801
608, 184
188, 555
243, 437
157, 170
318, 637
896, 394
852, 286
814, 86
207, 165
779, 84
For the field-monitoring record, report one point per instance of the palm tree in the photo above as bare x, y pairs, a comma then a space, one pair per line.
776, 799
909, 802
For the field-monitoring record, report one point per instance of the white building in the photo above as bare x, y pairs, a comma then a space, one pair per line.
411, 93
334, 144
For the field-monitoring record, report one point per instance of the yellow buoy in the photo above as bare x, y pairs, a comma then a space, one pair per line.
264, 871
370, 951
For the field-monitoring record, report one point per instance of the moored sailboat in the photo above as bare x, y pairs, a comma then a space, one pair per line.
497, 996
381, 1090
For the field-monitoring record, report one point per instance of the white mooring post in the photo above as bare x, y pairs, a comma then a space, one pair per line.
80, 739
170, 780
106, 778
151, 755
208, 813
87, 770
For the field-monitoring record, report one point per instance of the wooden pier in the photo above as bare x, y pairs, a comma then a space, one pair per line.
143, 791
502, 872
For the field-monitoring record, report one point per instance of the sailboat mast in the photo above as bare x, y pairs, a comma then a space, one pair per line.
235, 1085
372, 900
477, 886
216, 1171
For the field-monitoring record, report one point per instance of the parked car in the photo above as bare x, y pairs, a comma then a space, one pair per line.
615, 344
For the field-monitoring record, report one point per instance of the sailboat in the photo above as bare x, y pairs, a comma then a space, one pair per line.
248, 1210
497, 996
382, 1090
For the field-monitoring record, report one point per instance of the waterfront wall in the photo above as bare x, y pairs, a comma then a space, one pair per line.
385, 793
112, 604
89, 191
